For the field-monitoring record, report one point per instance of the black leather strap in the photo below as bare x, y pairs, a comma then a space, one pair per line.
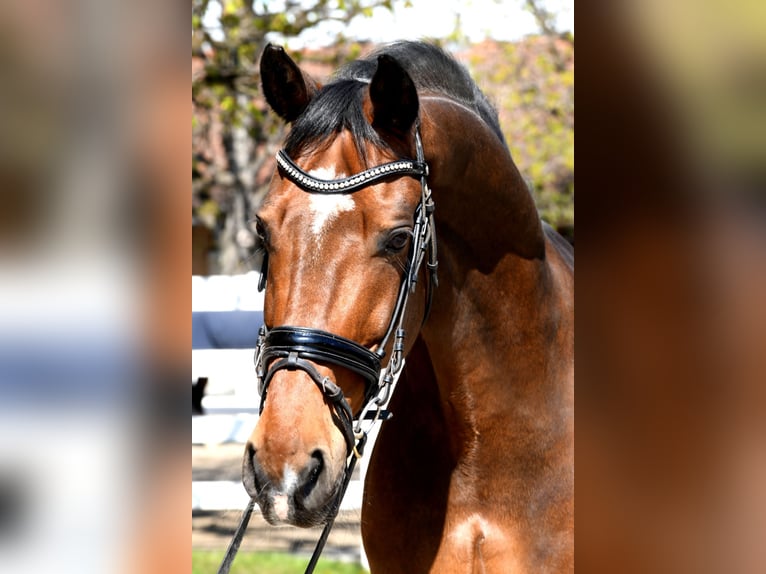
323, 347
344, 418
357, 181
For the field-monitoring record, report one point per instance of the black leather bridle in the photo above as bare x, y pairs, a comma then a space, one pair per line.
299, 348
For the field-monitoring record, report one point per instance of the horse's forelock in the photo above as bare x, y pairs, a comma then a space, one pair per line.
338, 106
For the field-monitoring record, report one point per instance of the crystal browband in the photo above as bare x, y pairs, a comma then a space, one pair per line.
353, 183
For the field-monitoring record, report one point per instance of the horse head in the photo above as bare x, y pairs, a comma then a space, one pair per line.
340, 222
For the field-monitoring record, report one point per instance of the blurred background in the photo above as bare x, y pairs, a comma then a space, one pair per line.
95, 329
521, 53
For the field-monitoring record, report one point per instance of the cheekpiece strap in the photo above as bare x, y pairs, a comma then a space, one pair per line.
362, 179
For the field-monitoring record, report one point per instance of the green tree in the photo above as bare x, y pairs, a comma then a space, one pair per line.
532, 85
233, 135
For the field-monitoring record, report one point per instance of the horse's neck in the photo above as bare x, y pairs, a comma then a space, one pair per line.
502, 325
483, 412
482, 422
481, 198
501, 337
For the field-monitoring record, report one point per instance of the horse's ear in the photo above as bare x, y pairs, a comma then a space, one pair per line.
287, 89
393, 96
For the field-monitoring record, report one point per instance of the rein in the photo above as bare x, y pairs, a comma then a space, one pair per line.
233, 548
297, 348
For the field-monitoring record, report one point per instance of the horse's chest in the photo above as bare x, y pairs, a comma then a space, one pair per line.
476, 544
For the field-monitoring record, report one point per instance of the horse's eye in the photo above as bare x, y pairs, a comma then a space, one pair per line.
398, 240
261, 231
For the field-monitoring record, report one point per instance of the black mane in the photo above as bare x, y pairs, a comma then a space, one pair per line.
338, 105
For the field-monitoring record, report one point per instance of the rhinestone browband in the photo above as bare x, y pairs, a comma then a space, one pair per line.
353, 183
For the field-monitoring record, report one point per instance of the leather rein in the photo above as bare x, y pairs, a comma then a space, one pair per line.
298, 348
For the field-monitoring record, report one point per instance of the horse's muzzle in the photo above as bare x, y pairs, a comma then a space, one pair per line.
301, 497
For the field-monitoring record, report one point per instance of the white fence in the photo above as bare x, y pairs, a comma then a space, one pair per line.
231, 399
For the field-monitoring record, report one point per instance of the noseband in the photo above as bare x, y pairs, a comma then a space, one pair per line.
298, 348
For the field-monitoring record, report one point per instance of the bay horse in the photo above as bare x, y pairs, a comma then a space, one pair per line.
474, 472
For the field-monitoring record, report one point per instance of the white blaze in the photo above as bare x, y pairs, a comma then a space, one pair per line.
281, 498
289, 480
281, 507
326, 207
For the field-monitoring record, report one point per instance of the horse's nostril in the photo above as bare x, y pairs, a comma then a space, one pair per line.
313, 472
318, 460
250, 470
